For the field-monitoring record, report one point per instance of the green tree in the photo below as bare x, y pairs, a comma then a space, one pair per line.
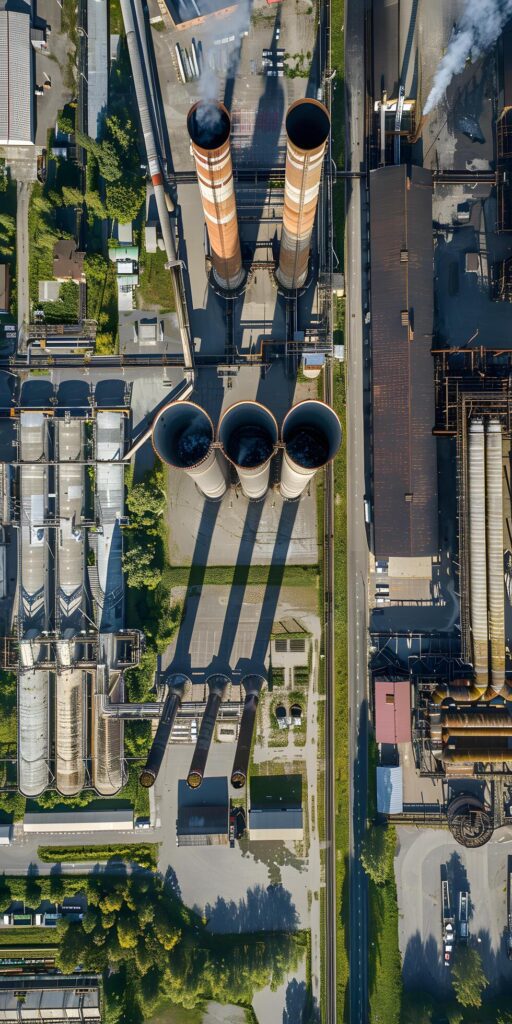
122, 134
146, 502
124, 202
468, 978
5, 894
377, 852
96, 267
140, 566
66, 123
95, 205
72, 196
8, 223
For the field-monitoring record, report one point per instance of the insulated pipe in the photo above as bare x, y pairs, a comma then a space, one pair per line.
307, 130
494, 484
478, 551
248, 433
476, 755
218, 684
475, 722
252, 685
311, 436
183, 438
148, 775
209, 127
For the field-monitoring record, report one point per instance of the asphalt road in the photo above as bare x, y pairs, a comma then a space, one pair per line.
356, 204
22, 260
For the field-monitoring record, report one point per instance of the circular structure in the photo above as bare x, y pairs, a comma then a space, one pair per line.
469, 821
182, 435
296, 711
209, 125
311, 434
248, 433
307, 124
280, 712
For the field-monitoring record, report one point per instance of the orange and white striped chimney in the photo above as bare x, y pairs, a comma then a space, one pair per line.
307, 130
209, 127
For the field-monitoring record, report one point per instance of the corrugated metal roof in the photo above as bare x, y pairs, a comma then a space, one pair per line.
97, 65
201, 821
392, 711
389, 790
16, 120
404, 456
277, 819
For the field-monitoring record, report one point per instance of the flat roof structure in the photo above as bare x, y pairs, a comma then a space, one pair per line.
98, 64
392, 711
402, 305
203, 814
16, 106
275, 813
389, 790
80, 821
46, 998
385, 50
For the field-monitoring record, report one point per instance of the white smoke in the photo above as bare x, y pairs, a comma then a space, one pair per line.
479, 27
230, 28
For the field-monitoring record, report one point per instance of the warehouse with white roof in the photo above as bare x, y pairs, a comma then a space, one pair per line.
16, 87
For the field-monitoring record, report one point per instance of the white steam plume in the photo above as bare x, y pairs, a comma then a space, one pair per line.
209, 83
479, 27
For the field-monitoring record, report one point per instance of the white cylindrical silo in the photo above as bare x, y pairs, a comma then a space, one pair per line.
70, 753
248, 433
494, 484
33, 731
311, 436
183, 437
478, 552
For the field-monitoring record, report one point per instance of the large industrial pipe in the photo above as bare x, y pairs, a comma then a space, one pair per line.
252, 685
478, 551
177, 684
476, 755
307, 130
311, 436
494, 483
209, 127
183, 438
248, 434
217, 684
475, 722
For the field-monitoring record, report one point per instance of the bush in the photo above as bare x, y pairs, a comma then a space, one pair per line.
144, 854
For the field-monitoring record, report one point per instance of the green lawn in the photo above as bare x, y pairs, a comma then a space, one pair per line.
155, 284
20, 938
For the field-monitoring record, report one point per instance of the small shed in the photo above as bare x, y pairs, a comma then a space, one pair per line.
68, 262
389, 789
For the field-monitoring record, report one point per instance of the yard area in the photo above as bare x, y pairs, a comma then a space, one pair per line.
155, 289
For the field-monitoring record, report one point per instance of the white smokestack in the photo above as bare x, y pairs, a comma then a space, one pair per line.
479, 27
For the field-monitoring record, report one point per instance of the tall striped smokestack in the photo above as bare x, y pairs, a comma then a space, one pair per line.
209, 127
307, 130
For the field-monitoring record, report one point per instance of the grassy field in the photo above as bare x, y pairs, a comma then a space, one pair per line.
249, 575
341, 693
145, 854
155, 285
20, 938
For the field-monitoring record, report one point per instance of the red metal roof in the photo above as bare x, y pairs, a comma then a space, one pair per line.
392, 711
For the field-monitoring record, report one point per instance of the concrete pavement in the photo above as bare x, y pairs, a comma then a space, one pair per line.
22, 254
356, 240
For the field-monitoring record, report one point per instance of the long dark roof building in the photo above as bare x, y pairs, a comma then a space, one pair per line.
404, 449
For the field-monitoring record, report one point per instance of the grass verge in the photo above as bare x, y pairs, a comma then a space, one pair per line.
155, 284
246, 575
144, 854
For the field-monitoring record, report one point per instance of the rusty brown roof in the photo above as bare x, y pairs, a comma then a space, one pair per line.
404, 450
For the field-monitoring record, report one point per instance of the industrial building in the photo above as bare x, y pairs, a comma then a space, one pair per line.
16, 79
203, 815
276, 813
41, 998
404, 450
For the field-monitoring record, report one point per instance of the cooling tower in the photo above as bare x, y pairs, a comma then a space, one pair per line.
183, 438
307, 131
249, 434
177, 684
217, 684
252, 685
311, 435
209, 127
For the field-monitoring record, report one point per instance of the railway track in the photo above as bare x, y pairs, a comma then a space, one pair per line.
330, 789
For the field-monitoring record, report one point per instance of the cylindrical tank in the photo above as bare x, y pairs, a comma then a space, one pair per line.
252, 685
33, 731
209, 127
494, 483
478, 551
248, 433
183, 437
70, 704
217, 684
170, 709
477, 755
107, 748
307, 131
311, 436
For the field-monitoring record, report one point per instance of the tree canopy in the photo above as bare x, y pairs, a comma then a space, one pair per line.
468, 978
377, 852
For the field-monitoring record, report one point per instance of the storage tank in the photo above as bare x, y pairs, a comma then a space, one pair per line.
177, 684
209, 127
307, 130
478, 552
33, 732
183, 437
495, 549
217, 685
248, 433
311, 435
252, 685
107, 747
70, 752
